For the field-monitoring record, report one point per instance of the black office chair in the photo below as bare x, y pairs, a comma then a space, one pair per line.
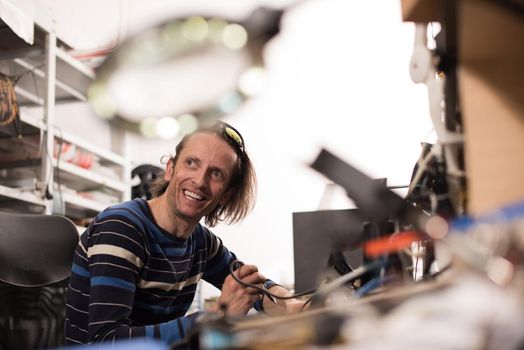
147, 175
36, 253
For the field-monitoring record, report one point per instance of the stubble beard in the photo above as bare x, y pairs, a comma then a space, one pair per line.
175, 212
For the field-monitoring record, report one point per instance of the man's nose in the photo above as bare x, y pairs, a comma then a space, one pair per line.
200, 178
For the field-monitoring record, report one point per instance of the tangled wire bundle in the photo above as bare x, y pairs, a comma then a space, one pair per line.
9, 109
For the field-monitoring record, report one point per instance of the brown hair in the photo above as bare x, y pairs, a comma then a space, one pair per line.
242, 183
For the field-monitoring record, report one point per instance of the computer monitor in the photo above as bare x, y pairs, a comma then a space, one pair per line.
319, 234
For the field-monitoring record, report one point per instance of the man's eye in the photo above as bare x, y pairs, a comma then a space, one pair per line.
216, 173
190, 162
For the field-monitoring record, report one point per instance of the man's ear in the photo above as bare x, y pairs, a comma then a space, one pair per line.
170, 169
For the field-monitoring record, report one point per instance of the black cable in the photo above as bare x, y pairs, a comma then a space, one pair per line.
260, 289
305, 304
342, 280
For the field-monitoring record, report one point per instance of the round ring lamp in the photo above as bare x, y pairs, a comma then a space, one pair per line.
182, 73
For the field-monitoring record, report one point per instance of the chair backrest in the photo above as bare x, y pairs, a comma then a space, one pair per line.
36, 254
147, 174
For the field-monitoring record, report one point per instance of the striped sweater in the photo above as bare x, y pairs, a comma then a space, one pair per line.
130, 278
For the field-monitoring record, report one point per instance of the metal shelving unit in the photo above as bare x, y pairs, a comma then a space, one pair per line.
32, 171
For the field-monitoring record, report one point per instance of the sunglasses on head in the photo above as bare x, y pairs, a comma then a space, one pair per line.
231, 135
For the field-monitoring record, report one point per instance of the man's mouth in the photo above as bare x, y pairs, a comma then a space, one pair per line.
193, 195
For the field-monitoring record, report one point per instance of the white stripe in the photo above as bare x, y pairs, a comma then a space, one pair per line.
112, 304
69, 324
167, 296
81, 256
125, 223
74, 308
169, 286
167, 271
215, 245
180, 261
108, 334
74, 341
118, 234
115, 220
102, 322
81, 245
176, 272
75, 326
107, 249
78, 291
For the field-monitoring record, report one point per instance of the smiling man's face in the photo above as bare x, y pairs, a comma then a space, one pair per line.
199, 180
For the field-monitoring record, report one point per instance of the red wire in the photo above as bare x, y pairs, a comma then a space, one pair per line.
390, 244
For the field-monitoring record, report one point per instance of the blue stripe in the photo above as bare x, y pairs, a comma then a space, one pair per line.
169, 251
112, 282
158, 309
128, 210
186, 323
161, 237
114, 213
78, 270
150, 331
169, 331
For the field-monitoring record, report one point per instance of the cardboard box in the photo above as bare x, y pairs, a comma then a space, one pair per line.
491, 93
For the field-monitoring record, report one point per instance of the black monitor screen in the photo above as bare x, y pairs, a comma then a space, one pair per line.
318, 234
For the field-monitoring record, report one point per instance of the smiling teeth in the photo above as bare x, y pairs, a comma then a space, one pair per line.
193, 195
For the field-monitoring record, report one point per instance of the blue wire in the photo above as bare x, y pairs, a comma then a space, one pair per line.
504, 214
372, 284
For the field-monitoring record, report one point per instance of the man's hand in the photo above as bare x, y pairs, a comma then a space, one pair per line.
294, 305
237, 298
283, 306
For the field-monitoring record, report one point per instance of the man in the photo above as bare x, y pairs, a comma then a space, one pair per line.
137, 265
